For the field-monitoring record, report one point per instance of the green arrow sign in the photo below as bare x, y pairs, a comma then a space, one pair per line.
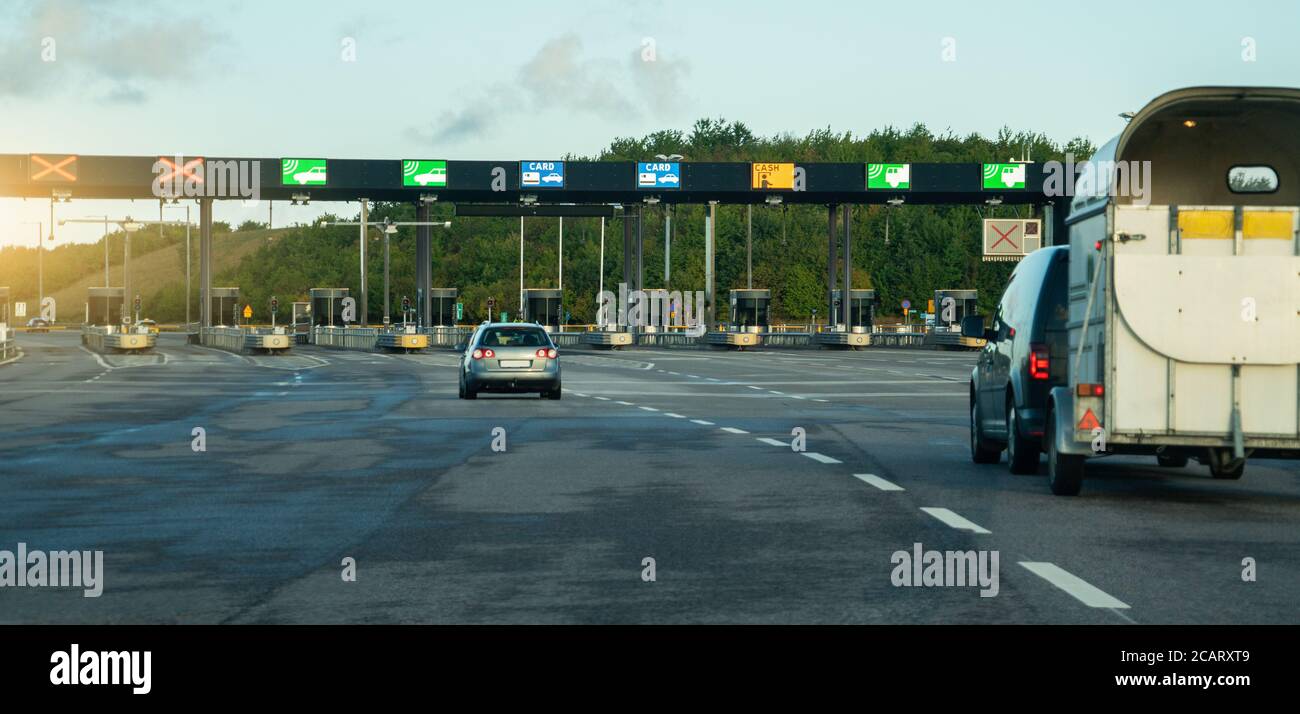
1004, 176
424, 174
302, 172
460, 311
889, 176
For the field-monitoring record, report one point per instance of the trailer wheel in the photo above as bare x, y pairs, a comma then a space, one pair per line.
1064, 471
980, 450
1224, 467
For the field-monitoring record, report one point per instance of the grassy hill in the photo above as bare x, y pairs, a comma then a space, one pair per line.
157, 276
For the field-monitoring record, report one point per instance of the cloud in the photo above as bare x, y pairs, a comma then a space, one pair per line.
559, 77
97, 49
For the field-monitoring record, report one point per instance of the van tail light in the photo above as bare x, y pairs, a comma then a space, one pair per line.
1091, 390
1039, 362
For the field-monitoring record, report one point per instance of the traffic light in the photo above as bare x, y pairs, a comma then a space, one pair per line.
275, 306
137, 303
406, 303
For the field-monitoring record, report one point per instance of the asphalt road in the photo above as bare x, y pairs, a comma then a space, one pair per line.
682, 456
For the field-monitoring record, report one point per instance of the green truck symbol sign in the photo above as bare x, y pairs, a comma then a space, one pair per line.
1001, 176
889, 176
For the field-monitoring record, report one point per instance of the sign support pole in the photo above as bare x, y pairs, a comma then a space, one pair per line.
845, 299
830, 266
205, 262
710, 226
364, 317
423, 266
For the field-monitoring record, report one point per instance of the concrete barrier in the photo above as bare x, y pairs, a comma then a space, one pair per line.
111, 338
240, 340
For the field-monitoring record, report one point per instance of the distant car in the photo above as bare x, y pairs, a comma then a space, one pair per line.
552, 178
316, 173
148, 324
1024, 357
438, 177
509, 357
38, 324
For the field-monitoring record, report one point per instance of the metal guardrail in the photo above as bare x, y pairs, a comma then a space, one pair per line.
347, 338
898, 339
240, 340
8, 347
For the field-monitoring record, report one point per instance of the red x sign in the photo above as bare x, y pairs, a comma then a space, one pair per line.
53, 169
1004, 236
192, 170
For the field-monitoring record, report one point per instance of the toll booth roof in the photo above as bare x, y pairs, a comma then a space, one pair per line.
752, 293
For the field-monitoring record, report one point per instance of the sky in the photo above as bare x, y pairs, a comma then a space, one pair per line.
513, 79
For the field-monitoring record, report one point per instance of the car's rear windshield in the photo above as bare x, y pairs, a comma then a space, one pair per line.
514, 337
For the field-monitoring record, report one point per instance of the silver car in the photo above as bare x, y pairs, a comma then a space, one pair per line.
509, 357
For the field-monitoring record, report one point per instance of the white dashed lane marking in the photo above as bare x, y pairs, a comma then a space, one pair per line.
955, 521
822, 458
734, 430
701, 422
773, 442
649, 409
878, 482
675, 416
1074, 586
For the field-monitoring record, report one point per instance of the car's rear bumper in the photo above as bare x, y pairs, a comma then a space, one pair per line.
513, 381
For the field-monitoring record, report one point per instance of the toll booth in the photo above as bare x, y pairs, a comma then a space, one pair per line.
5, 318
327, 306
862, 310
749, 310
104, 306
442, 310
964, 304
545, 307
301, 316
224, 303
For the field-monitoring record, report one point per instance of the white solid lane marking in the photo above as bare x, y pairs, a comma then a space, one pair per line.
773, 442
1074, 586
98, 359
649, 409
734, 430
675, 416
701, 422
878, 482
823, 458
955, 521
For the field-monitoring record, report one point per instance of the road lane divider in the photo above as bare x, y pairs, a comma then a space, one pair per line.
1074, 586
878, 482
953, 520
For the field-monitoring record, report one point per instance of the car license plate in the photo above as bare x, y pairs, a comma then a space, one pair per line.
516, 363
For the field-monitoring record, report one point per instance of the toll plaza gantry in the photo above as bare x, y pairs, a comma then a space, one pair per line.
538, 188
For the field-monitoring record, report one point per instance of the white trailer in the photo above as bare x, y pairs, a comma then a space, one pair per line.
1184, 325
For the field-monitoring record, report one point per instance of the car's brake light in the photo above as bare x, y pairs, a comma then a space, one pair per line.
477, 354
546, 353
489, 353
1039, 362
1091, 390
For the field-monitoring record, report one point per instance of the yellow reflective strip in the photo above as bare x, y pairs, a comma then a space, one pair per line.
1205, 224
1268, 224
